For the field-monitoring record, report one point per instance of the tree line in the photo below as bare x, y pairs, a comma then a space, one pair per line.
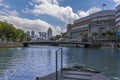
10, 33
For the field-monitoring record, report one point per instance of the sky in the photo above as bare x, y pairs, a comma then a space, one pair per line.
39, 15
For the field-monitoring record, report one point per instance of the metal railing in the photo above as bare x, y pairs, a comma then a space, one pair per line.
57, 61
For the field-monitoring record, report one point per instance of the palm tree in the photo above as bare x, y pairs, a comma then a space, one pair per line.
110, 35
94, 34
81, 34
85, 37
104, 35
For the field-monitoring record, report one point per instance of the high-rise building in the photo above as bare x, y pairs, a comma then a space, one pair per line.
28, 33
39, 34
42, 35
32, 34
49, 32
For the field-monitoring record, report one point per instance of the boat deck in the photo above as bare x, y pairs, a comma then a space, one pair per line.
76, 73
81, 75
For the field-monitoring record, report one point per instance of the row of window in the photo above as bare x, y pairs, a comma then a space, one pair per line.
117, 11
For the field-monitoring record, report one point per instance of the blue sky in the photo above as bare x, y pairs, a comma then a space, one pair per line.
39, 15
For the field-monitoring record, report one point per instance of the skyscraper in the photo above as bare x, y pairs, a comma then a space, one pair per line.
42, 35
49, 32
32, 34
28, 33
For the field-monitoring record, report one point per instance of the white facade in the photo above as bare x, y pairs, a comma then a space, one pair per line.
98, 23
118, 20
118, 16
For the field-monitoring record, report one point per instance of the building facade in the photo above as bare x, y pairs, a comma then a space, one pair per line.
49, 33
43, 35
118, 19
28, 33
92, 26
32, 34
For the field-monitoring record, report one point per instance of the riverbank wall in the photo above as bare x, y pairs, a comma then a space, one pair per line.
10, 44
81, 45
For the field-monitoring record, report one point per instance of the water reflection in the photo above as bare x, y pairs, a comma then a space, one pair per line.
105, 60
26, 63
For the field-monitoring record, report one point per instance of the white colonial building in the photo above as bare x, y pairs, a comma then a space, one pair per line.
92, 26
118, 18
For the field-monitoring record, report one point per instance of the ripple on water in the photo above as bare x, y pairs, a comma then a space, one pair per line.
116, 78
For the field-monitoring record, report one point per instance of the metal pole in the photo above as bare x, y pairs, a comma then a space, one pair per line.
56, 66
57, 62
61, 60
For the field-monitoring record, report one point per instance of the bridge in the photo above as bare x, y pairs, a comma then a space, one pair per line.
58, 43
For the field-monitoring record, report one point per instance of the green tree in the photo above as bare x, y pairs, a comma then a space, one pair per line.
52, 39
94, 34
0, 31
57, 37
85, 38
81, 34
64, 35
110, 35
9, 32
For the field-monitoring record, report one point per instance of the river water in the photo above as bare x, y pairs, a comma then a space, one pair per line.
27, 63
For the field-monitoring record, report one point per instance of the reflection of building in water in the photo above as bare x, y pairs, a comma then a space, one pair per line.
105, 60
50, 65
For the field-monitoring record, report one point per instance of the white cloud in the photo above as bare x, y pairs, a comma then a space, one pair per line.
4, 6
52, 8
116, 1
92, 10
26, 10
29, 25
64, 30
11, 16
1, 0
8, 12
57, 29
49, 7
46, 1
30, 3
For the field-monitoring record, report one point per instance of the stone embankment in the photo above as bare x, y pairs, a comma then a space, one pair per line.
10, 44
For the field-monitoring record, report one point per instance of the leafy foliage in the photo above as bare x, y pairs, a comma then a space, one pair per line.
9, 32
57, 37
